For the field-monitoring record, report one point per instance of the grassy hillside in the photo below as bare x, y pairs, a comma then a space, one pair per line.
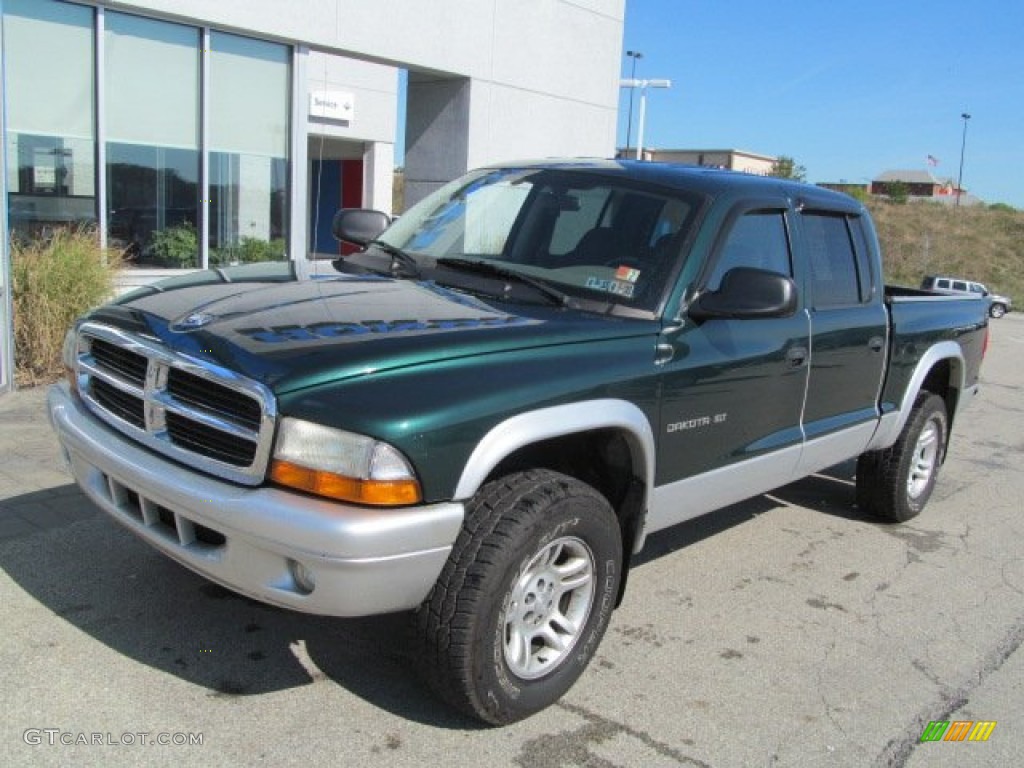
971, 242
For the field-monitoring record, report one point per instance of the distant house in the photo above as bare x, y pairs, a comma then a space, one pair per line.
732, 159
914, 184
923, 186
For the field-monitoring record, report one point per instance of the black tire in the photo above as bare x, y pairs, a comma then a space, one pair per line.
997, 310
498, 588
896, 483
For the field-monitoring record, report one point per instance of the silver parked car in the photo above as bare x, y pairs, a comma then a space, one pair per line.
1000, 304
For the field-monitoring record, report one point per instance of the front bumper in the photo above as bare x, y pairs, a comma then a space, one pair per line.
350, 561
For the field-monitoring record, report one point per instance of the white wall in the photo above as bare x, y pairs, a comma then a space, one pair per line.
544, 72
374, 91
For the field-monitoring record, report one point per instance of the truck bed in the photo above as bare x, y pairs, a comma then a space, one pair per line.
920, 320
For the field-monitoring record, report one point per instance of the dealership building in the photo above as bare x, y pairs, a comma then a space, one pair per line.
193, 133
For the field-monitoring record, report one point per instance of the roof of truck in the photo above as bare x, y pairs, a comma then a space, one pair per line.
711, 181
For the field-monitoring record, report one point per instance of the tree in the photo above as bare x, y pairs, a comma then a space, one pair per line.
785, 167
898, 192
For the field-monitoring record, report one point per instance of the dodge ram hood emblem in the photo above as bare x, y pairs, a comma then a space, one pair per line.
193, 321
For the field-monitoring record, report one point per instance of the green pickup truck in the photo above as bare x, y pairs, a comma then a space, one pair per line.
481, 415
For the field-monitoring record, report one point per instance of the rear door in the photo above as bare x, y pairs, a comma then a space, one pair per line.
849, 330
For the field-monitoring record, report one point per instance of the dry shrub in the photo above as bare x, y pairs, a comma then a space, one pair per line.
973, 242
54, 280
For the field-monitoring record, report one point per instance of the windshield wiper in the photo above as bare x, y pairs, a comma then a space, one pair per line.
402, 264
554, 295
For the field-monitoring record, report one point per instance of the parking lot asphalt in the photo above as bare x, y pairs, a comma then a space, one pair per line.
784, 631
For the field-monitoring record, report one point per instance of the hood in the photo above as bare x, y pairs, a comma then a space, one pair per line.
290, 328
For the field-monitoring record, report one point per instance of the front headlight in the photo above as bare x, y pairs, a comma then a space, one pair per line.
342, 465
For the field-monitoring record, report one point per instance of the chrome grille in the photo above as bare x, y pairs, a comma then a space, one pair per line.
130, 366
213, 398
125, 406
191, 410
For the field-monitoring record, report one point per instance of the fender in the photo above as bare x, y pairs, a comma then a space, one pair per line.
891, 424
531, 427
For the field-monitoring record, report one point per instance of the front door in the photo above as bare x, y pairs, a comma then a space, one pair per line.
733, 390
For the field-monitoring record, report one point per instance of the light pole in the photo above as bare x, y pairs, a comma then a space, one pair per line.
643, 85
963, 145
634, 55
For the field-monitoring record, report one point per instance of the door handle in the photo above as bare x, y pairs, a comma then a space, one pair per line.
664, 353
796, 356
876, 343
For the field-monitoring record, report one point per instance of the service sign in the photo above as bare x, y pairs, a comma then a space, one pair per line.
333, 105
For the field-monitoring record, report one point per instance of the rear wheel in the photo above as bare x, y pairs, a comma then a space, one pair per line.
895, 484
525, 597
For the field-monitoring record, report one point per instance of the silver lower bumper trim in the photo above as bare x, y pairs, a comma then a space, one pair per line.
358, 561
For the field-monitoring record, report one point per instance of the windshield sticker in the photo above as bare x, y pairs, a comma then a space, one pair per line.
617, 287
628, 274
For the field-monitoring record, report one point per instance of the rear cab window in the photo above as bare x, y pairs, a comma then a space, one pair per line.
838, 259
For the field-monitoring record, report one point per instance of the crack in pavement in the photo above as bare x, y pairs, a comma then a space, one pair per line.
573, 747
899, 749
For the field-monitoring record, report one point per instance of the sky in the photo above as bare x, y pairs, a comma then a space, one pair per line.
848, 89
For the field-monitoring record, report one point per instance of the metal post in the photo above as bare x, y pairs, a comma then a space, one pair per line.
632, 75
640, 121
643, 85
963, 145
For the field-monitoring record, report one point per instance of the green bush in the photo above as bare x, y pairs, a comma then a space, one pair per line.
899, 192
175, 247
54, 280
248, 250
253, 249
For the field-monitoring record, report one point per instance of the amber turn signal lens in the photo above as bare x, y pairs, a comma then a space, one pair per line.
377, 493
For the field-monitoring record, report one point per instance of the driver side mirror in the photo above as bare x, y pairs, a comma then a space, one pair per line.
359, 226
747, 293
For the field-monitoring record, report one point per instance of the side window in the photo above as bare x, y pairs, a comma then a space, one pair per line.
944, 284
959, 285
757, 239
831, 260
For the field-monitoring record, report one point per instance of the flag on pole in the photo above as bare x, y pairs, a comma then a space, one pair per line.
933, 160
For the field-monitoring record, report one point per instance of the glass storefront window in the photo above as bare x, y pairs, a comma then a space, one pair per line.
151, 123
249, 98
151, 79
51, 168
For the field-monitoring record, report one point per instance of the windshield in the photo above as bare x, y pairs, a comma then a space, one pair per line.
591, 235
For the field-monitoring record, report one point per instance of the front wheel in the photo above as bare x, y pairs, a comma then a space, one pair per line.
896, 483
525, 597
996, 310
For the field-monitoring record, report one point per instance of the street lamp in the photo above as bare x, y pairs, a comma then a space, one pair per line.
643, 85
634, 55
963, 145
